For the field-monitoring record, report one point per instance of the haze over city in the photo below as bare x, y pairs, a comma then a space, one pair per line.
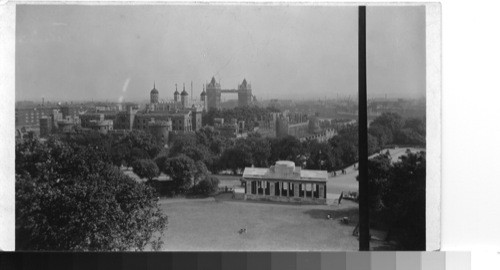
116, 53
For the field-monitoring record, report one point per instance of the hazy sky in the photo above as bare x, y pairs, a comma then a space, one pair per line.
116, 52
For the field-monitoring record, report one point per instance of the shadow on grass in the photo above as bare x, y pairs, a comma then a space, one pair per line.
229, 197
352, 213
223, 197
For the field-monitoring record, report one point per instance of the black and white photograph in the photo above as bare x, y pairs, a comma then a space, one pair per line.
225, 127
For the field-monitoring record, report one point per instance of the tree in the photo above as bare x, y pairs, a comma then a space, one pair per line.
405, 201
146, 168
120, 153
390, 120
416, 124
235, 159
373, 145
259, 150
212, 139
162, 163
201, 171
180, 143
407, 136
182, 170
348, 152
345, 145
199, 153
321, 156
137, 153
207, 186
383, 135
287, 148
138, 139
379, 169
67, 198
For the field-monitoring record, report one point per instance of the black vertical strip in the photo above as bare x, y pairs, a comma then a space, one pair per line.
364, 230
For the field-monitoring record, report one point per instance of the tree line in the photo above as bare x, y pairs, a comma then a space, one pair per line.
397, 198
207, 151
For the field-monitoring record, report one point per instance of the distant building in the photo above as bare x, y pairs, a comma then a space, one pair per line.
154, 95
98, 122
89, 120
70, 111
181, 102
30, 116
45, 126
66, 125
296, 125
232, 129
203, 98
160, 130
218, 122
322, 136
124, 120
285, 182
181, 121
214, 93
196, 120
184, 97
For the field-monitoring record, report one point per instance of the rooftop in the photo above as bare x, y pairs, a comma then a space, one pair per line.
285, 170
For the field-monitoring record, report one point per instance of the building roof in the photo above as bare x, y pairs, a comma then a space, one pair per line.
176, 92
184, 93
154, 91
285, 170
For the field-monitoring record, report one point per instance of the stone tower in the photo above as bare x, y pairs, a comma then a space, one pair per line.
213, 95
176, 94
184, 97
154, 95
203, 98
244, 94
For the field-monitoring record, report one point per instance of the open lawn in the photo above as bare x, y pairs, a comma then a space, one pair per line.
213, 224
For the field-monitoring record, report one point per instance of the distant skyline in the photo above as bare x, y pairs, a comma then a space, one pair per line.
116, 53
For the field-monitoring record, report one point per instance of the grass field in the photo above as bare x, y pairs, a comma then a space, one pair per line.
213, 224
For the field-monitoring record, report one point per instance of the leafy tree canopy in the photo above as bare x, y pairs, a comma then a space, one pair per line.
68, 198
146, 168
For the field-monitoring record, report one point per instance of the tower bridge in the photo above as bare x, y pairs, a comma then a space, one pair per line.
214, 92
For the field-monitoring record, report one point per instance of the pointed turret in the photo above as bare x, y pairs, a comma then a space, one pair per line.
184, 97
203, 98
154, 88
176, 94
212, 82
154, 94
184, 93
203, 93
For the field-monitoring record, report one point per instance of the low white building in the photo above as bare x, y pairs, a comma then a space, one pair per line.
285, 182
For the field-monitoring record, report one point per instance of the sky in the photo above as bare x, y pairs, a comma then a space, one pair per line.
117, 53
